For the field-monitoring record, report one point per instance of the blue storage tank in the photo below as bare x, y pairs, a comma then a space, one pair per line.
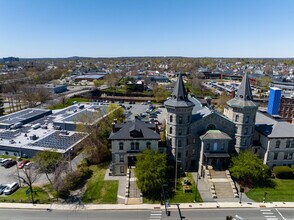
274, 101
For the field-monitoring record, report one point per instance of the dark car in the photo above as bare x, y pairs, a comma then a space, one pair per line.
5, 161
10, 163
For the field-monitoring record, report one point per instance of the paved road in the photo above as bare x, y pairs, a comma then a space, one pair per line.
195, 214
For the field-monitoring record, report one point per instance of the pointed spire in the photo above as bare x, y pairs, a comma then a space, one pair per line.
179, 92
244, 96
244, 91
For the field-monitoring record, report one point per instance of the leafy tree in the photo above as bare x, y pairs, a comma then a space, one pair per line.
47, 161
160, 93
249, 168
150, 171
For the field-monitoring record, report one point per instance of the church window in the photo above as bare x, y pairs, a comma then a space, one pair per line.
276, 156
247, 119
188, 130
170, 130
179, 143
170, 118
244, 142
223, 146
121, 158
188, 118
211, 127
237, 118
278, 144
193, 151
215, 146
179, 155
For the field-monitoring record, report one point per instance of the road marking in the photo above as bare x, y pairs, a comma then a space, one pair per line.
265, 210
280, 214
272, 219
155, 215
267, 213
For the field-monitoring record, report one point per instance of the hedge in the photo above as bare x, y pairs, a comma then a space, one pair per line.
283, 172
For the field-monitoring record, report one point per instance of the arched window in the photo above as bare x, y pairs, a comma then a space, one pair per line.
170, 130
237, 118
170, 118
211, 127
180, 119
121, 146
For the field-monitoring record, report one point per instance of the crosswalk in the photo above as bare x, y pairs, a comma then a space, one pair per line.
269, 214
155, 215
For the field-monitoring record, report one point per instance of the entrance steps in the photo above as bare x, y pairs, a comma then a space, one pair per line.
221, 185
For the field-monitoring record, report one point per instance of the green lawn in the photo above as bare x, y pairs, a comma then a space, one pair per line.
100, 191
68, 103
180, 196
282, 192
188, 197
20, 196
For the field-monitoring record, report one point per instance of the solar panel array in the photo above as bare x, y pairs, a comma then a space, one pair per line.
21, 115
57, 140
8, 135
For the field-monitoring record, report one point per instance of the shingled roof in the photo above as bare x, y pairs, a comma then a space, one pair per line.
244, 96
179, 96
134, 130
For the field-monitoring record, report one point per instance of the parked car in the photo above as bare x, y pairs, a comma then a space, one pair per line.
22, 164
11, 188
2, 188
5, 161
10, 163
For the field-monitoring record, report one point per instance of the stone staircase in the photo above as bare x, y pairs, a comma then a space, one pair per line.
221, 184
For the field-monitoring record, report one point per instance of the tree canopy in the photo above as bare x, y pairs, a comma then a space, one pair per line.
150, 171
248, 167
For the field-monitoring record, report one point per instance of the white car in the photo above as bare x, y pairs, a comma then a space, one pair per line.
11, 188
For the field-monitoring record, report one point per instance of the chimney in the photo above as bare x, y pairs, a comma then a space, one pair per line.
233, 94
208, 100
274, 101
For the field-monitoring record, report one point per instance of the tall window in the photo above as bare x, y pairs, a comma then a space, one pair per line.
188, 118
247, 119
170, 118
170, 130
121, 158
121, 146
237, 118
179, 155
292, 144
290, 156
243, 142
223, 146
278, 144
287, 143
208, 146
122, 169
285, 156
137, 145
132, 146
148, 145
246, 131
179, 143
188, 130
276, 156
180, 119
180, 131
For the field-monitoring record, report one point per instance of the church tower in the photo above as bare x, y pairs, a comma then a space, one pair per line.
179, 113
242, 111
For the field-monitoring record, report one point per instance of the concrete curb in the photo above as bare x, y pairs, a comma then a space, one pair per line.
212, 205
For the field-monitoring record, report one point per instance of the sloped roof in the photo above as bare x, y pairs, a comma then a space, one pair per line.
215, 135
134, 130
243, 96
179, 96
273, 128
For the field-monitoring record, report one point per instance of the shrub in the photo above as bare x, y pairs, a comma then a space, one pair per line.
283, 172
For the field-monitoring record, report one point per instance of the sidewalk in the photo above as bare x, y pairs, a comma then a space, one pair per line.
208, 205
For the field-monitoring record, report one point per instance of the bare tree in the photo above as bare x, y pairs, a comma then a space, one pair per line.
28, 177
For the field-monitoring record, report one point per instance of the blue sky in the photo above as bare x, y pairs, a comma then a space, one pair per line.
111, 28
